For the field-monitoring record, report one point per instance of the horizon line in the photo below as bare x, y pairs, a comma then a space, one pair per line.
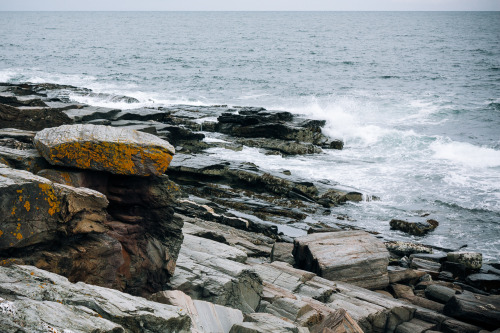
254, 10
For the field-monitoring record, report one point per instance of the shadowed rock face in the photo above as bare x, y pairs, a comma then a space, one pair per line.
140, 220
104, 148
33, 119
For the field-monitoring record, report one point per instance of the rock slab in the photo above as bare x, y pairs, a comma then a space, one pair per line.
104, 148
351, 256
33, 300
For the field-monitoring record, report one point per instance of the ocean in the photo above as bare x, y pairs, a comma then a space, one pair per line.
414, 95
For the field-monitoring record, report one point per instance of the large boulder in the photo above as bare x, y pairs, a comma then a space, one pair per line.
116, 150
356, 257
140, 218
33, 300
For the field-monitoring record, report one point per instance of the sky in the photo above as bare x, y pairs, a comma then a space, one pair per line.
239, 5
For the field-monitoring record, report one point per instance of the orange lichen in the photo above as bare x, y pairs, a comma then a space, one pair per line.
13, 211
27, 206
20, 198
51, 198
116, 157
1, 233
19, 191
19, 236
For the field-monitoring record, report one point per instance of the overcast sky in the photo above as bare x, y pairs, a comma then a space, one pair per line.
134, 5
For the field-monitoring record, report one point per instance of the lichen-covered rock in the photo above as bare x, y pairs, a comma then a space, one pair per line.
33, 300
406, 248
116, 150
471, 260
34, 210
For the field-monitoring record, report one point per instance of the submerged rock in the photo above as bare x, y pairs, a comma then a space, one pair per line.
116, 150
414, 228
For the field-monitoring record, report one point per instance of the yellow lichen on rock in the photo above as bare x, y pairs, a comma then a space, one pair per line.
27, 206
51, 198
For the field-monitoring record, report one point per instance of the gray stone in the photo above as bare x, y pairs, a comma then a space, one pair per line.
265, 323
406, 248
351, 256
33, 300
415, 326
283, 252
439, 293
218, 280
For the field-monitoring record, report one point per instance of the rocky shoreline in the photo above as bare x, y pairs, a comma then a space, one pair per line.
119, 221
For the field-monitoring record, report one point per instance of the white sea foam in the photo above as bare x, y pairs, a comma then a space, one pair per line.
466, 154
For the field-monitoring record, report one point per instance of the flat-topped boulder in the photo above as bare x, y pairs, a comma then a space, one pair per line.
116, 150
356, 257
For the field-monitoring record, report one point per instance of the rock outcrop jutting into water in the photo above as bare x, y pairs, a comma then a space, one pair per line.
93, 212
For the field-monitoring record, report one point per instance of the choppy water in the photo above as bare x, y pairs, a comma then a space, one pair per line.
415, 96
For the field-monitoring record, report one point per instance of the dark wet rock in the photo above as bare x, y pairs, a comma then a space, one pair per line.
119, 151
415, 326
336, 144
281, 146
439, 293
31, 119
33, 300
402, 248
414, 228
428, 266
457, 270
360, 258
23, 159
437, 257
456, 326
488, 282
272, 125
480, 310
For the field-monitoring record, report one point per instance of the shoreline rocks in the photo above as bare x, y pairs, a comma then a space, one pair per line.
223, 241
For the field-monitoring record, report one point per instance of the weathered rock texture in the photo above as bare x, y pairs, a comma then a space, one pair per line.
205, 316
104, 148
351, 256
131, 246
33, 300
217, 279
35, 210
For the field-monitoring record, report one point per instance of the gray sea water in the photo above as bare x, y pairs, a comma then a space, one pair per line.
414, 95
